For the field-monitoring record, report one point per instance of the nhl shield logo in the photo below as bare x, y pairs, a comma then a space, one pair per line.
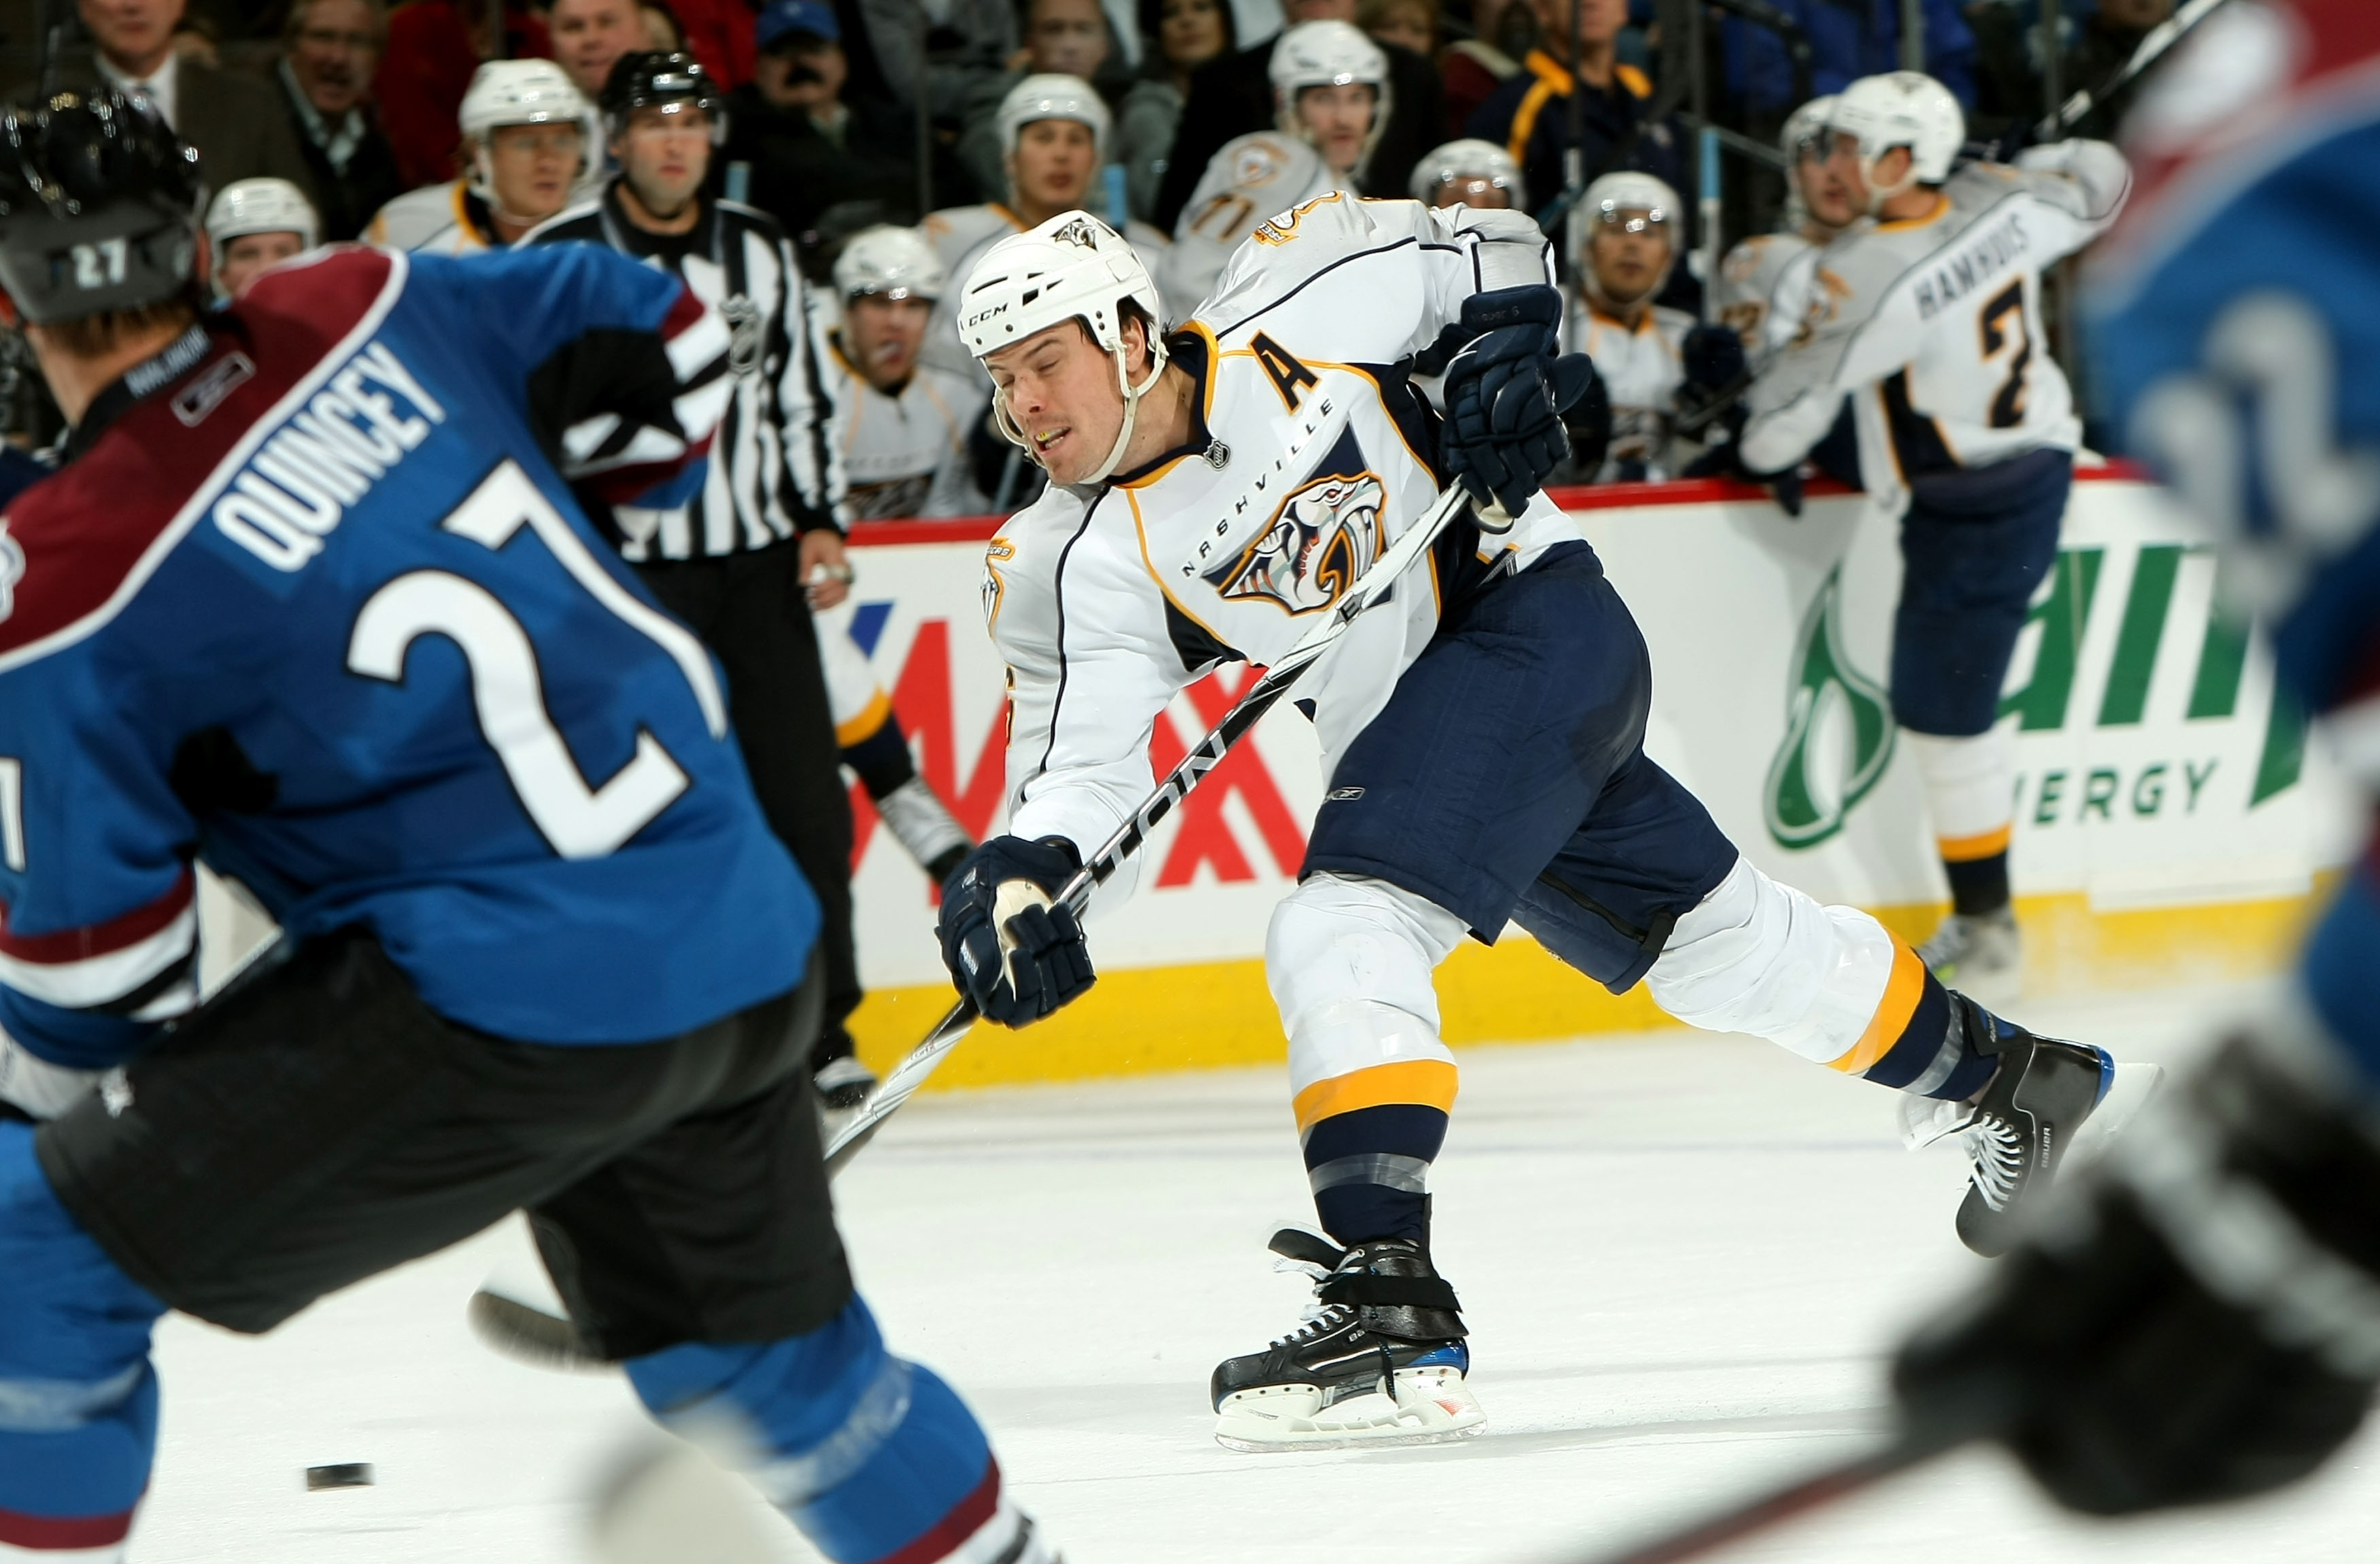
1325, 535
12, 569
743, 318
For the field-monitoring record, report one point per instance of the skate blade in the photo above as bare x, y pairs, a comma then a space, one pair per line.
669, 1503
2134, 1086
1427, 1411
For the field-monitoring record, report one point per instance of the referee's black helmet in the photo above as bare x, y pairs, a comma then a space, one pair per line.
653, 79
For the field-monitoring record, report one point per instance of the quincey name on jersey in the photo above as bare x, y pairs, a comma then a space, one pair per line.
1934, 327
314, 602
1311, 453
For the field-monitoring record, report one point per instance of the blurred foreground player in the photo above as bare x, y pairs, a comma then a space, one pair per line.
1482, 738
2204, 1321
745, 562
314, 601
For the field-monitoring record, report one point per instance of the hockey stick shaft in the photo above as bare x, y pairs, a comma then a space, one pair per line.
2162, 37
1370, 589
1701, 1538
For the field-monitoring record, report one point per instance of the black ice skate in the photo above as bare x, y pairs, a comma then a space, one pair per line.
2025, 1123
1380, 1359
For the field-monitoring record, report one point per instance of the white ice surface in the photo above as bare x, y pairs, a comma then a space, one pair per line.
1683, 1258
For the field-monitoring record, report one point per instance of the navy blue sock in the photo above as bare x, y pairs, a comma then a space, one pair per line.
1979, 886
1371, 1171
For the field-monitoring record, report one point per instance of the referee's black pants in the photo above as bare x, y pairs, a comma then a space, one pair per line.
750, 610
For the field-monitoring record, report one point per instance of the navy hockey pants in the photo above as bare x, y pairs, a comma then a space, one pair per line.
1975, 548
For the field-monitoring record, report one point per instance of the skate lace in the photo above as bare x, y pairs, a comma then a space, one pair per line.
1996, 1148
1317, 1318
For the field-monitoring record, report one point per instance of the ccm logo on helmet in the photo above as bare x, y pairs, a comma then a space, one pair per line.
976, 320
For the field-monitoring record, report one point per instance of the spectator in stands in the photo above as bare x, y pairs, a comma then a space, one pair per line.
1233, 96
1530, 115
2009, 88
1408, 24
232, 120
717, 33
1847, 42
1188, 33
330, 51
434, 47
529, 137
967, 43
256, 223
808, 150
1472, 68
661, 35
1071, 38
590, 36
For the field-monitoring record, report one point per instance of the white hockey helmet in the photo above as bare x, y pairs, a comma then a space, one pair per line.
523, 92
889, 262
1072, 268
1052, 96
1901, 108
1444, 171
1806, 129
262, 206
1629, 201
1328, 54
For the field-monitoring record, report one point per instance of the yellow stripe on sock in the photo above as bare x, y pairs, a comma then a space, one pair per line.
1429, 1083
864, 726
1967, 849
1901, 992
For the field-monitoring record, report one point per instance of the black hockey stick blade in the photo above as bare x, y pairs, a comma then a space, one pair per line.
527, 1334
1763, 1511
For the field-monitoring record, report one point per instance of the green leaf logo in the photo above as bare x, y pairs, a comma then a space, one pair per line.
1810, 795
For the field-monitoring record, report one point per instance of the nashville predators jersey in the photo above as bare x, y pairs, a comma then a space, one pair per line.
1251, 178
1310, 452
1933, 326
905, 452
1642, 363
1763, 290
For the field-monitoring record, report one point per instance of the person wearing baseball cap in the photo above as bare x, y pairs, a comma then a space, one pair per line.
809, 149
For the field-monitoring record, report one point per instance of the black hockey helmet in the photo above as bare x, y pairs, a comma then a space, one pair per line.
643, 80
100, 205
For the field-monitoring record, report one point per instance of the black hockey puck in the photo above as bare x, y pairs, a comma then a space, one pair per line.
346, 1474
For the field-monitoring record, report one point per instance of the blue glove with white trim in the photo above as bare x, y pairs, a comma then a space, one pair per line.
1506, 391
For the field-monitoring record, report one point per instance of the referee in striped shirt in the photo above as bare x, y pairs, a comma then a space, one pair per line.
743, 564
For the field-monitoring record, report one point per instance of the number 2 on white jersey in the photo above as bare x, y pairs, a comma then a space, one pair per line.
2005, 325
578, 820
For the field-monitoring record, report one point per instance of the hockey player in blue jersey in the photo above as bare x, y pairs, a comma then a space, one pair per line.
314, 600
2204, 1321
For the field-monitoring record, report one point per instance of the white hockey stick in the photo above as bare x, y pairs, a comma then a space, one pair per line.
533, 1335
1373, 587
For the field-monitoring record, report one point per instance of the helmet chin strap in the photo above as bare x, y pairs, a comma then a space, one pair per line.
1876, 195
1132, 395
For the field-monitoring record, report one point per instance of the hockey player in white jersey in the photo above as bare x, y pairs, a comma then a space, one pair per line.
1470, 173
1331, 102
1764, 283
531, 137
1053, 133
253, 224
1481, 733
903, 428
1930, 319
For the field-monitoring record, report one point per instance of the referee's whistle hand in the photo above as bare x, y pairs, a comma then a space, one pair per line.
826, 575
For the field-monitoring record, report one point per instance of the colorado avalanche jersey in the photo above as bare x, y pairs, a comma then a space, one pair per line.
2234, 334
1312, 453
313, 601
1933, 326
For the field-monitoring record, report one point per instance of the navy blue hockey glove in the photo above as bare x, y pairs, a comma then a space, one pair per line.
1506, 391
2198, 1320
1019, 955
1717, 368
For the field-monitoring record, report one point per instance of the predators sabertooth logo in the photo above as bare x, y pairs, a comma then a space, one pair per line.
1325, 535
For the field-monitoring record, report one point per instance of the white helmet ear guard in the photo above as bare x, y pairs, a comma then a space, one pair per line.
1072, 268
1901, 108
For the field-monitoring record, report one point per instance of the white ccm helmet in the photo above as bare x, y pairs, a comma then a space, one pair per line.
522, 93
1072, 268
1327, 53
1466, 161
262, 206
1901, 108
1614, 194
1808, 133
889, 262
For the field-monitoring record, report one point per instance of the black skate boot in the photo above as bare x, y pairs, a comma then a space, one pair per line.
1378, 1361
2024, 1124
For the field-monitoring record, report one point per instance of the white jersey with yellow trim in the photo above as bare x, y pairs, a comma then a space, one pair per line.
1763, 290
1106, 600
961, 234
436, 218
905, 453
854, 698
1641, 364
1251, 178
1934, 327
